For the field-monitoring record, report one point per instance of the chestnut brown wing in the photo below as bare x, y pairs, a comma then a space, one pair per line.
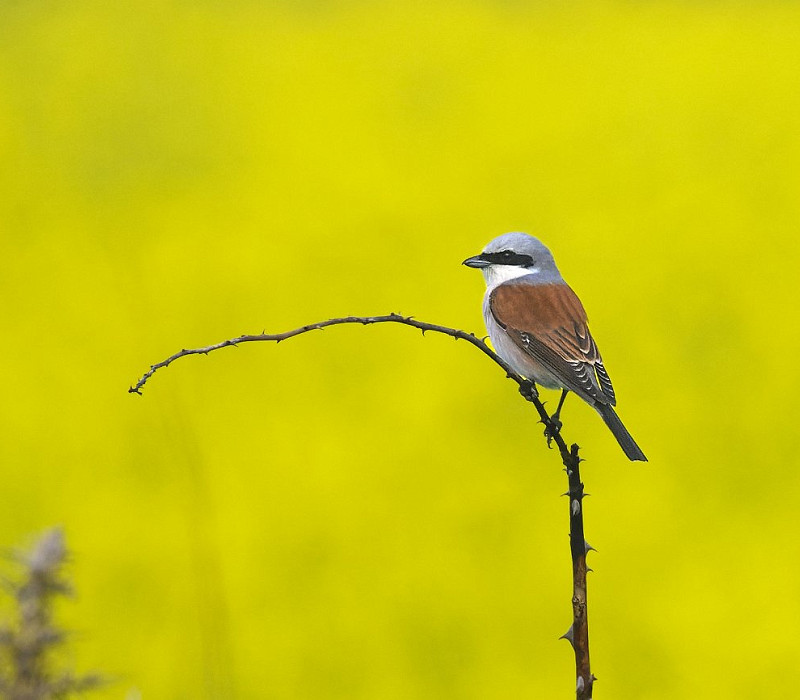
549, 322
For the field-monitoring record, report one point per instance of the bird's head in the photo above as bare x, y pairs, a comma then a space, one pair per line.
515, 255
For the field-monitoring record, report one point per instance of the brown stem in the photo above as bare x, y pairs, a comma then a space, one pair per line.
579, 632
578, 549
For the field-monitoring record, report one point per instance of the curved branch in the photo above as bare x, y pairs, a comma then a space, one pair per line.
578, 634
363, 320
527, 388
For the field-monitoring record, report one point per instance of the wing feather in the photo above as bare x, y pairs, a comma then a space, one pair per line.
549, 322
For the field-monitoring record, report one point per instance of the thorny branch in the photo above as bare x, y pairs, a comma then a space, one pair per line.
578, 633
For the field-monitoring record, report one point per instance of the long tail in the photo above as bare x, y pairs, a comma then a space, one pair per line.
626, 442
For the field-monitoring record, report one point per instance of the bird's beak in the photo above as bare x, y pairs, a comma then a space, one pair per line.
476, 261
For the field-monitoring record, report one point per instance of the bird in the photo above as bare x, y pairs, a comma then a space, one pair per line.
539, 327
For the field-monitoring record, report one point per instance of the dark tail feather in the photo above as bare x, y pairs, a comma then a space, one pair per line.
626, 442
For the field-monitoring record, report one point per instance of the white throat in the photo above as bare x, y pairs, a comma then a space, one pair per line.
497, 274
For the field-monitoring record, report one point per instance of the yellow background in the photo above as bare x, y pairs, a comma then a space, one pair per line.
364, 512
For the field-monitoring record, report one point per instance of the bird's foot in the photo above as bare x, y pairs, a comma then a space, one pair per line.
552, 428
528, 390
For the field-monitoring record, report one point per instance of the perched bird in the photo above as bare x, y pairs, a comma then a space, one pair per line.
538, 326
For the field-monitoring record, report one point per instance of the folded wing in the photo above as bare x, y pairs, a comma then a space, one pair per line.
548, 321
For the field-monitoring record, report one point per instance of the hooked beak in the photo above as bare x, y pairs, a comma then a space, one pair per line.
476, 261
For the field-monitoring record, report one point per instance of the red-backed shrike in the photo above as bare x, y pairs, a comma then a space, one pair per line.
538, 326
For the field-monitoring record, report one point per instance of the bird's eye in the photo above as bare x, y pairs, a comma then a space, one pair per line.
506, 255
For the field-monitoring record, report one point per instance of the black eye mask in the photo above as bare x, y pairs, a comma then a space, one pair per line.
507, 257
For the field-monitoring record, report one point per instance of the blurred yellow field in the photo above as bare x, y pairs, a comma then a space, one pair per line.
364, 512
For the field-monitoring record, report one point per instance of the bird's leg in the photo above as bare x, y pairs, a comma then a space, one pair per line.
554, 427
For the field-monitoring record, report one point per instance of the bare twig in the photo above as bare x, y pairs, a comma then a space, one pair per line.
363, 320
578, 634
